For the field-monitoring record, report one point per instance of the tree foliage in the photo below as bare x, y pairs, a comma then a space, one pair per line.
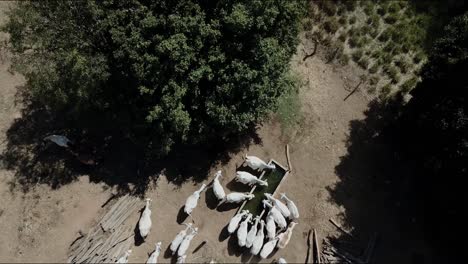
170, 71
434, 128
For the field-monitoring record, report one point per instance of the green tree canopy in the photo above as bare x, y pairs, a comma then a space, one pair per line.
434, 129
176, 70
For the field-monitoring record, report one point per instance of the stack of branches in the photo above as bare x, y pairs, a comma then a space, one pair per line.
110, 238
347, 251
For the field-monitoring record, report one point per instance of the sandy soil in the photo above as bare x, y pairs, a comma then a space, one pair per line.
38, 226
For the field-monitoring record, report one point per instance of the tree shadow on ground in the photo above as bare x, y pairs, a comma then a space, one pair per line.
106, 154
374, 189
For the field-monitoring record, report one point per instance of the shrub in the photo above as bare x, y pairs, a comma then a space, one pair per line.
355, 42
408, 85
392, 73
374, 20
342, 20
350, 5
394, 7
403, 64
385, 35
331, 25
329, 7
386, 90
352, 20
374, 68
418, 57
381, 10
363, 63
307, 25
344, 59
356, 55
342, 37
371, 89
391, 18
368, 8
374, 80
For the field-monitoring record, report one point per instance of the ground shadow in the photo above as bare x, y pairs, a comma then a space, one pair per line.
181, 215
373, 190
224, 234
138, 239
233, 246
104, 153
210, 198
227, 207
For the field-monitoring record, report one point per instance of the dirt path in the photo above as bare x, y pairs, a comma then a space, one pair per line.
39, 226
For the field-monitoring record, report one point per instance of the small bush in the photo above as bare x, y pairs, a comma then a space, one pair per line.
371, 89
368, 8
381, 10
392, 73
391, 18
356, 55
307, 25
408, 85
342, 37
403, 64
344, 59
387, 58
385, 36
418, 57
374, 68
342, 20
350, 5
352, 20
374, 20
374, 80
386, 90
329, 7
394, 7
363, 63
331, 25
355, 42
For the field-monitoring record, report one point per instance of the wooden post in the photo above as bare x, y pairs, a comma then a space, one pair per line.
309, 247
316, 249
287, 157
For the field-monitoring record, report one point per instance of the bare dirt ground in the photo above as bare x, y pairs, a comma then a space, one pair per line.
39, 225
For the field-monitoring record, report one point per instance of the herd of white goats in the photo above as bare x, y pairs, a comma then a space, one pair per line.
254, 239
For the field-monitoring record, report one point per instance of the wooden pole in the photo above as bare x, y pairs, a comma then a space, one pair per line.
340, 227
287, 157
309, 246
316, 249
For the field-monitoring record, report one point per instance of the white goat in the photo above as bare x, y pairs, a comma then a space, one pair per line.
217, 188
192, 200
144, 225
283, 238
247, 178
258, 241
291, 206
153, 258
242, 231
281, 206
234, 223
186, 242
179, 237
256, 163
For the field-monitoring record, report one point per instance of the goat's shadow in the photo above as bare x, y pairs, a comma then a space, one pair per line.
181, 215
